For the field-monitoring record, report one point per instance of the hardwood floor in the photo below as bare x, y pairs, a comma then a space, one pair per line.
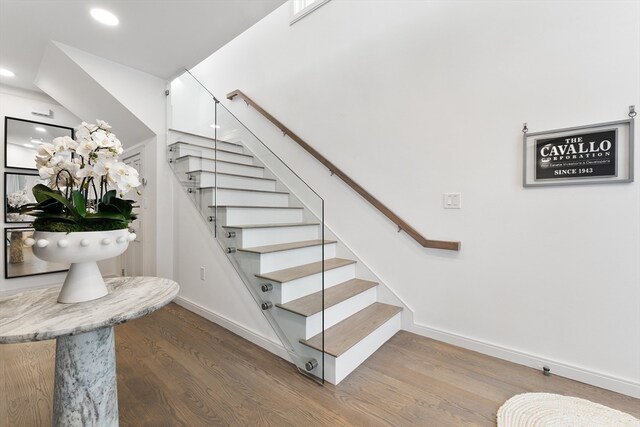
177, 369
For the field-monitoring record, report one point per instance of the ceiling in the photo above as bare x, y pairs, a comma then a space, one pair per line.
159, 37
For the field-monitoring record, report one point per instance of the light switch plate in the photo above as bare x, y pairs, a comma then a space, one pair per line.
452, 200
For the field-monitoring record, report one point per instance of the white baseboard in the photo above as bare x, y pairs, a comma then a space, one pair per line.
557, 368
246, 333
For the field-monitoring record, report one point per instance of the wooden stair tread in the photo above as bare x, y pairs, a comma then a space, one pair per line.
242, 189
231, 174
341, 337
285, 246
293, 273
199, 136
275, 225
257, 207
312, 304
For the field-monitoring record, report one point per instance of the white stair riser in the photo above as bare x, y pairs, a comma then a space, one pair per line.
243, 198
288, 291
238, 216
252, 237
337, 369
294, 257
189, 164
209, 179
180, 150
204, 142
307, 327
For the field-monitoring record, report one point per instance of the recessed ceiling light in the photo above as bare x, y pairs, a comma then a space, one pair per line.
40, 129
28, 145
6, 73
37, 140
105, 17
215, 126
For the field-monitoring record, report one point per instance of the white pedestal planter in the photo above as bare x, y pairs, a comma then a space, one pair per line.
82, 249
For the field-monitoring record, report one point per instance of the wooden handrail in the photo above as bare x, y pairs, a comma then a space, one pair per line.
402, 225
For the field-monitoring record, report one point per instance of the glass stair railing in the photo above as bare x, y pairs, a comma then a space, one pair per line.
268, 221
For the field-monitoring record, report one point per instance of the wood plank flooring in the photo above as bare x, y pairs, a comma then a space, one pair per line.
177, 369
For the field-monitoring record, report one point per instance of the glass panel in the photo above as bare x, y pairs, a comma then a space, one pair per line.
267, 219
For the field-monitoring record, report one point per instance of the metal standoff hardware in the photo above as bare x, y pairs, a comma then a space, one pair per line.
266, 287
311, 365
266, 305
231, 234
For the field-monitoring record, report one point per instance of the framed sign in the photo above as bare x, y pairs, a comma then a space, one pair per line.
592, 154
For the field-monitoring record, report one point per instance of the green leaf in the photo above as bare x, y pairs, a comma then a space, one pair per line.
50, 205
106, 199
57, 217
56, 195
105, 215
108, 208
41, 192
80, 203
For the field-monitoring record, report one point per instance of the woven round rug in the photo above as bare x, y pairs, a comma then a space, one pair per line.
554, 410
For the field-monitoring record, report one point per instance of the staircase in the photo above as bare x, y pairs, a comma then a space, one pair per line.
328, 318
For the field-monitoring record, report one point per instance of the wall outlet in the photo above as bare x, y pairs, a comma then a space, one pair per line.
201, 273
452, 200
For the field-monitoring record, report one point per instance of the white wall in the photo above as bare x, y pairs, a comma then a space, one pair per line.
221, 296
19, 103
414, 99
134, 104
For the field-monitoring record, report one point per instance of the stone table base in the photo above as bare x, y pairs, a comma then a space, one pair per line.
85, 391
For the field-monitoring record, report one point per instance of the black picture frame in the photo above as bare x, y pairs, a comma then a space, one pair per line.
7, 215
16, 132
29, 261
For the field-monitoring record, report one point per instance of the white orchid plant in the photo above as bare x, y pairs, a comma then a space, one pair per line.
86, 183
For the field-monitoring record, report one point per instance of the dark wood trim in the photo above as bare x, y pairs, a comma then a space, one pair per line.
402, 225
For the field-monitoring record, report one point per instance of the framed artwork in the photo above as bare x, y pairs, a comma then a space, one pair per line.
22, 138
19, 260
18, 192
593, 154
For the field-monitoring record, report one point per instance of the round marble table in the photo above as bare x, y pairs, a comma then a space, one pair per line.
85, 391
